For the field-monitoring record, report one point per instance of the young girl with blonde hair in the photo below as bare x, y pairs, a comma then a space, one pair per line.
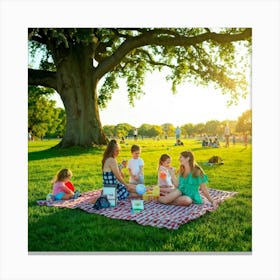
60, 189
191, 179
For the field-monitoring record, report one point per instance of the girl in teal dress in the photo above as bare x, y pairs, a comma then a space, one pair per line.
191, 179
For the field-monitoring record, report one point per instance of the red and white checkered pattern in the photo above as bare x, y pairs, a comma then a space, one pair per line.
154, 214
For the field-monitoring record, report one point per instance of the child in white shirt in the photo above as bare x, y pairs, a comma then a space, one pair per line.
136, 166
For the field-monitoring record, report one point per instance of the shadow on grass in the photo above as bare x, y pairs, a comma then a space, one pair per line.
84, 232
73, 230
55, 152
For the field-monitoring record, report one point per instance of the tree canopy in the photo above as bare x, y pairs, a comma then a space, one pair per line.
76, 59
244, 123
43, 117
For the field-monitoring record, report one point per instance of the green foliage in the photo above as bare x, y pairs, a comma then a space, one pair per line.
188, 129
223, 65
57, 128
43, 117
168, 129
109, 86
149, 130
211, 127
228, 229
119, 130
200, 128
123, 129
109, 130
244, 123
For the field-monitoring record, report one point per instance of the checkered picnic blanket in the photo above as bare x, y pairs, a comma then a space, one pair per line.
155, 214
86, 198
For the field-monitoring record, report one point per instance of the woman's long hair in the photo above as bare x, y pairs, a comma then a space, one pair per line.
195, 168
109, 152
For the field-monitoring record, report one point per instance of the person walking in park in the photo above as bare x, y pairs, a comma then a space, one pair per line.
178, 132
166, 175
30, 136
191, 179
227, 134
136, 166
135, 134
111, 173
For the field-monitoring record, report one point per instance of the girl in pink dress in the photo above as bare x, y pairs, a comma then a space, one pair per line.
60, 189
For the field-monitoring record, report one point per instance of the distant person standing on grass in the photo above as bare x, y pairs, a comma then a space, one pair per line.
227, 134
135, 133
178, 132
111, 173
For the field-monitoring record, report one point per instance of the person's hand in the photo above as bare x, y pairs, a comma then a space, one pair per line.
164, 191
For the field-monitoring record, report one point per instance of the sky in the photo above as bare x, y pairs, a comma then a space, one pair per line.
191, 104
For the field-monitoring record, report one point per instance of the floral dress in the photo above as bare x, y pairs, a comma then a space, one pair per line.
109, 178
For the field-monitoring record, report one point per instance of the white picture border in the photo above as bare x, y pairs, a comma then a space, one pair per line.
262, 16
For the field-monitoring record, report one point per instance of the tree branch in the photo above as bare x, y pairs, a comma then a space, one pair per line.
34, 35
42, 78
154, 38
154, 62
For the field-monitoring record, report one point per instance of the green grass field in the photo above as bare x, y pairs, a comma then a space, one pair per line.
228, 229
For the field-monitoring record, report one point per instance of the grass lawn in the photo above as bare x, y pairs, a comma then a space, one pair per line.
228, 229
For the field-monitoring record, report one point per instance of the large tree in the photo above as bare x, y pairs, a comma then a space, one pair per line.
76, 59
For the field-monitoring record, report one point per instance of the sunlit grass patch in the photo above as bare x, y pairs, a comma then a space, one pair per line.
228, 229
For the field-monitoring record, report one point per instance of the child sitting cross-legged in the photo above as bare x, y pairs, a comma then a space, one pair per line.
63, 189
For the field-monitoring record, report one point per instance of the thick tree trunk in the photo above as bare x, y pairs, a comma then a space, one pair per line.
77, 87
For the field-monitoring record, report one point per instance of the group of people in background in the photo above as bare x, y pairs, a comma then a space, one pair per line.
208, 142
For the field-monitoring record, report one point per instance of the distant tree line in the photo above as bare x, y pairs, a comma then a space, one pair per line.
212, 128
45, 120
